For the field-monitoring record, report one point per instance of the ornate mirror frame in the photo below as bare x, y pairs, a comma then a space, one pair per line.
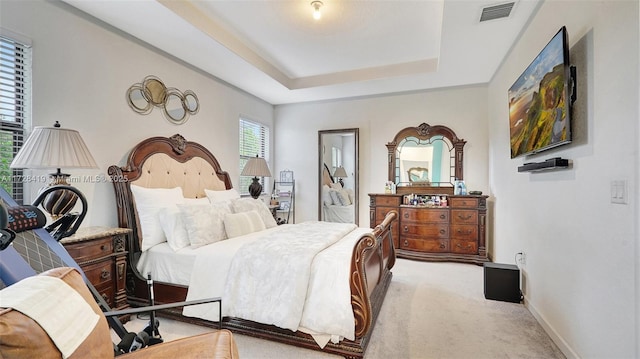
424, 132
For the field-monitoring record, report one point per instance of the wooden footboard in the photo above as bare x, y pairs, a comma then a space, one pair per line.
371, 260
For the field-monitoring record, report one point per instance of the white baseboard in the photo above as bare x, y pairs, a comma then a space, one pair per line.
560, 342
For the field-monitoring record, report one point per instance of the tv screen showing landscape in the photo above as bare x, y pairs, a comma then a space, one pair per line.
538, 101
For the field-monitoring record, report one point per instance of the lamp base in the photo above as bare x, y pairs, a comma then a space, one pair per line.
59, 202
255, 188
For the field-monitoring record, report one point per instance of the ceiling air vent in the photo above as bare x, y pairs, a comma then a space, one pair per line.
496, 11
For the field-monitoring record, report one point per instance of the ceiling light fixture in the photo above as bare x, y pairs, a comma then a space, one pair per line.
316, 9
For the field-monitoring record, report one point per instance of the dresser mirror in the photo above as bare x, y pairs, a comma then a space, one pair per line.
425, 159
338, 175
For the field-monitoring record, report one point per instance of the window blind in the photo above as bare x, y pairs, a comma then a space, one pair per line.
15, 80
254, 140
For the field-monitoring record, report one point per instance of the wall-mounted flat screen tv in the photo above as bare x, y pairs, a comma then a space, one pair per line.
540, 101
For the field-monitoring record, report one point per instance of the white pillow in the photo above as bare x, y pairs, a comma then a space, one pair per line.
326, 197
148, 202
250, 204
343, 198
334, 197
200, 201
239, 224
204, 223
174, 228
215, 196
352, 195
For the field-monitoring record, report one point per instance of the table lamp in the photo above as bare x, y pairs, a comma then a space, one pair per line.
55, 147
340, 173
256, 167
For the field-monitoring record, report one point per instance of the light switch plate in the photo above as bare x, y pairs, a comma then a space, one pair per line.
619, 191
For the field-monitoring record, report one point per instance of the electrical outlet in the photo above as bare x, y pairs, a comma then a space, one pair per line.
522, 258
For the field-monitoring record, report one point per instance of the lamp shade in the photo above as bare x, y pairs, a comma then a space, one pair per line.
256, 167
54, 147
340, 172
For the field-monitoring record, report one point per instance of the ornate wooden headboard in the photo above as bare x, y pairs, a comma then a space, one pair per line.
164, 162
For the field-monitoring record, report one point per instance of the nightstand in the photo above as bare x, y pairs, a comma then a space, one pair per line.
101, 253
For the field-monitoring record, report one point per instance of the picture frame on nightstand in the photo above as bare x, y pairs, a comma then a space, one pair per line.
286, 176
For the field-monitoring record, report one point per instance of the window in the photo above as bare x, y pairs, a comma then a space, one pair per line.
254, 140
15, 83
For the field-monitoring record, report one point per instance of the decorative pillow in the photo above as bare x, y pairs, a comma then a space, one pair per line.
149, 201
216, 196
343, 197
250, 204
204, 223
352, 196
334, 197
238, 224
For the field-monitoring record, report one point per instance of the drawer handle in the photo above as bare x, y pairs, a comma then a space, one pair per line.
460, 231
460, 246
406, 242
105, 274
103, 247
442, 246
464, 218
406, 228
406, 215
443, 216
105, 297
442, 231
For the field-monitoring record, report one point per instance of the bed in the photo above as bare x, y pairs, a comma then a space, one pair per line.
366, 256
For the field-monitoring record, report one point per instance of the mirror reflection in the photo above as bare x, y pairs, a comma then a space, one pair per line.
338, 175
173, 108
424, 162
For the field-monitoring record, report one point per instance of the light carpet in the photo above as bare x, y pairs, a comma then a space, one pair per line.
432, 310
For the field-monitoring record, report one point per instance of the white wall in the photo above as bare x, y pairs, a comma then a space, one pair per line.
579, 277
379, 119
81, 71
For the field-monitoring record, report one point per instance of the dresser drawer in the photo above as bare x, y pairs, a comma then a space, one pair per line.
89, 250
463, 202
433, 231
99, 273
424, 245
381, 212
464, 216
424, 215
106, 292
464, 246
468, 232
386, 200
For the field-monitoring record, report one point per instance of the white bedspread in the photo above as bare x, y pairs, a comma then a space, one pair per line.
291, 276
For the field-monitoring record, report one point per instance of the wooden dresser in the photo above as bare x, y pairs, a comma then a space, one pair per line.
101, 253
456, 232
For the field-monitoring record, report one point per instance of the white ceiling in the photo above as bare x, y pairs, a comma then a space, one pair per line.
275, 50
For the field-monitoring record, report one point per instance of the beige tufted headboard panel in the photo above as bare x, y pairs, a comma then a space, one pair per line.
193, 176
